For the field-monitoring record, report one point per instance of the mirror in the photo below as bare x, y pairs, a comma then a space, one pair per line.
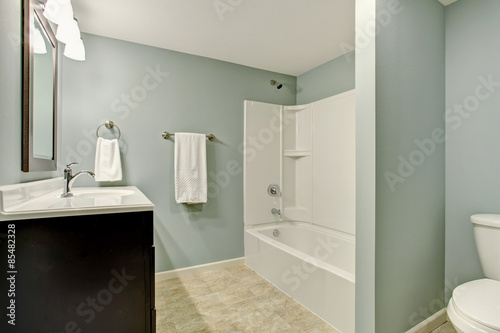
40, 56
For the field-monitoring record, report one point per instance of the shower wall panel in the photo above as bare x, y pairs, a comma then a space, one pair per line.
262, 161
334, 162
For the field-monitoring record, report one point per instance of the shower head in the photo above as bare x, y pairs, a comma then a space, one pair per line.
277, 84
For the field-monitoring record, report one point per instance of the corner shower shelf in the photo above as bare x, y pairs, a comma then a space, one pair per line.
296, 153
298, 213
296, 107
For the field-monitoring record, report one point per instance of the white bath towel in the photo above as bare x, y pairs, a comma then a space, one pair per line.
108, 167
190, 168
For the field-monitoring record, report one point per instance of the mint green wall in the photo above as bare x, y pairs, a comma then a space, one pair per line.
472, 153
410, 164
146, 91
331, 78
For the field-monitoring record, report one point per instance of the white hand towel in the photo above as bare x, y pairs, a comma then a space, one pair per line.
190, 168
108, 167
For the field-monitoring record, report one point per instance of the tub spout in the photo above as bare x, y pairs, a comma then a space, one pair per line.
276, 211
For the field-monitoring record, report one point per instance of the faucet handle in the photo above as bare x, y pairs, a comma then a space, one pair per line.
68, 166
68, 171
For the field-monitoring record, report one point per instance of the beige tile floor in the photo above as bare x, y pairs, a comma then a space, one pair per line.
230, 300
445, 328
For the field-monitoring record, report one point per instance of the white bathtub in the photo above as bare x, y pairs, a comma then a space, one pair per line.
312, 264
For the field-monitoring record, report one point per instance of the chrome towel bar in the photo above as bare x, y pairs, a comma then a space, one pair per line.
167, 135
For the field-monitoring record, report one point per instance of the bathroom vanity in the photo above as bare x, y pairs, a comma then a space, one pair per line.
81, 264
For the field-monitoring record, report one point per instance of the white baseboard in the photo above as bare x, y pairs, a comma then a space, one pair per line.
167, 275
431, 323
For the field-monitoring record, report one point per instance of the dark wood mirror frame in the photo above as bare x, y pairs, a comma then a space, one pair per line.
29, 162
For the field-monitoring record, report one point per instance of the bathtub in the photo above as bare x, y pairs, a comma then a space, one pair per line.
313, 265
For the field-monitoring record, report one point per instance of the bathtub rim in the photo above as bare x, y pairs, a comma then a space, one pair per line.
254, 231
307, 225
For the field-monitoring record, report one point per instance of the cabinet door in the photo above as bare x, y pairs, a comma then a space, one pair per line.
79, 274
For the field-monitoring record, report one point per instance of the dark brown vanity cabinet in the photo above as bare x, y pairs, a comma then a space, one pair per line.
78, 274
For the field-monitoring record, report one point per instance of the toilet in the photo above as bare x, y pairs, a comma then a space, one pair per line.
475, 306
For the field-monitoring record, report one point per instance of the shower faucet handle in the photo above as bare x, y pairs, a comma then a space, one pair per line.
273, 190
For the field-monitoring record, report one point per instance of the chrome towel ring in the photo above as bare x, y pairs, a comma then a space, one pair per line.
109, 125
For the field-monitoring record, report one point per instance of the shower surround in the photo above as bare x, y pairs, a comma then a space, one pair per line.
299, 202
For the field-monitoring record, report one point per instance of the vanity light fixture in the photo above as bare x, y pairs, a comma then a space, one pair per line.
57, 11
75, 50
68, 31
60, 12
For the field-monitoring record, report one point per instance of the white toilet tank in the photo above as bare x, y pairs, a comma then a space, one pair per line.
487, 235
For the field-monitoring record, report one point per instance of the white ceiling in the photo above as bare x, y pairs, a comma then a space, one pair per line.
285, 36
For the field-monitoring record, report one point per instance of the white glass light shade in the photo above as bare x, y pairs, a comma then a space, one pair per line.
37, 42
58, 11
75, 50
68, 31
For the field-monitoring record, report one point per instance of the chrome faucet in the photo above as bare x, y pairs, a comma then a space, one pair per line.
69, 178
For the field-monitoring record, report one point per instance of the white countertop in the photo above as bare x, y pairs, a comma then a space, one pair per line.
41, 199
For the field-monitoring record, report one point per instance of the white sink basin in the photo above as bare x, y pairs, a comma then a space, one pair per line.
43, 198
100, 193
